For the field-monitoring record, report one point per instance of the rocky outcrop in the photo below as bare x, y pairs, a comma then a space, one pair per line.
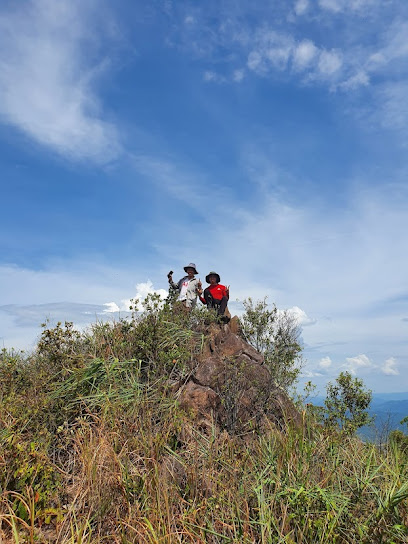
231, 387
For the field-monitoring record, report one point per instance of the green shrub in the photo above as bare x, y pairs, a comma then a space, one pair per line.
277, 336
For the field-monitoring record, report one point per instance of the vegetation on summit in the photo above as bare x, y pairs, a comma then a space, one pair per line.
95, 447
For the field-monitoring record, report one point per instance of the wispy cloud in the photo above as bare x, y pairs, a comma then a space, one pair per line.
32, 315
48, 80
337, 6
74, 281
279, 51
210, 75
360, 79
354, 57
76, 292
183, 183
301, 6
391, 110
20, 324
238, 75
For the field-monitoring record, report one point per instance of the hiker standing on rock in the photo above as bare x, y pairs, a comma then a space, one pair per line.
215, 295
188, 287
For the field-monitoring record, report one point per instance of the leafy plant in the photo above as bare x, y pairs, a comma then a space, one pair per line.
346, 404
276, 335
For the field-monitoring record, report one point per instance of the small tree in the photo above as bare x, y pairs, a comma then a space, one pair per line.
347, 403
276, 335
399, 439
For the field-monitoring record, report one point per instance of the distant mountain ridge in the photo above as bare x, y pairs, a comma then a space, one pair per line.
388, 409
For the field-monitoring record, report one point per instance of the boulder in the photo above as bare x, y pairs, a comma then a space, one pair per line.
198, 399
231, 386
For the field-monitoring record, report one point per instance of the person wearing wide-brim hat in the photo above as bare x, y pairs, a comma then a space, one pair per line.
187, 287
215, 295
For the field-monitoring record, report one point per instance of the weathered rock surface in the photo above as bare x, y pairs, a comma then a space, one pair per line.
201, 400
231, 386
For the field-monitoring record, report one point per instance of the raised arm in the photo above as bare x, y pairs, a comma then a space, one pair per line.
171, 282
200, 291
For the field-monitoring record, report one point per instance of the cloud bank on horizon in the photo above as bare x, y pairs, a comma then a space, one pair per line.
265, 141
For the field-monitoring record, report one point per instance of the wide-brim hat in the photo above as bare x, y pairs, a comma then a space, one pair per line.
207, 278
191, 265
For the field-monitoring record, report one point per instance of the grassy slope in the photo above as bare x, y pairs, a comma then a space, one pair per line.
94, 448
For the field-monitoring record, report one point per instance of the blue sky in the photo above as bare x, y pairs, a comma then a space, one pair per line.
265, 140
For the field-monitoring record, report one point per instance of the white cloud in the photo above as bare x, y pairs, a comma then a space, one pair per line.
337, 6
361, 79
304, 54
396, 46
238, 75
301, 6
146, 288
271, 50
344, 56
325, 362
47, 89
301, 317
209, 75
375, 60
390, 367
187, 186
392, 110
254, 60
329, 62
389, 59
332, 5
274, 51
111, 307
142, 290
360, 361
310, 374
279, 56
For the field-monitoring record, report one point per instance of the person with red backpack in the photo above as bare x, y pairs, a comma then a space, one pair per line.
215, 296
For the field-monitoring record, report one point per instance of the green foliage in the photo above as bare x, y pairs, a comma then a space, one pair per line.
277, 336
11, 372
346, 404
28, 465
58, 346
399, 440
